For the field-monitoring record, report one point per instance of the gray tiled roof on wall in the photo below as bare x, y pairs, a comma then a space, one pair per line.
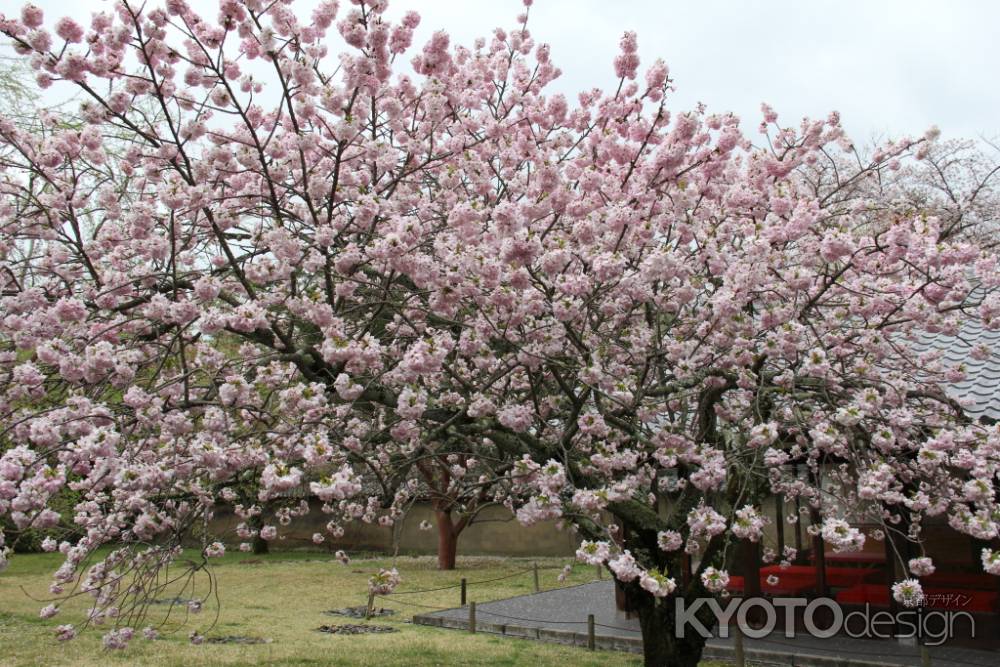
980, 391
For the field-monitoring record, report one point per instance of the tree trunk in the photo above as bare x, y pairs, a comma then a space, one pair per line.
661, 647
260, 545
447, 540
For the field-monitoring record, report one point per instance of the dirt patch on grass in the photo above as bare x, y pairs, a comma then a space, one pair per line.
359, 612
353, 629
237, 639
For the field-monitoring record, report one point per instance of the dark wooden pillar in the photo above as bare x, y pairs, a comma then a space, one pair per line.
779, 526
818, 546
798, 530
890, 574
751, 569
819, 549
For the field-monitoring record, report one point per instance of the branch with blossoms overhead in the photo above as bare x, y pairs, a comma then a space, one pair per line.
315, 272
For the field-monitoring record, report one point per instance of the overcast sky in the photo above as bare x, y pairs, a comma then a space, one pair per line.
889, 66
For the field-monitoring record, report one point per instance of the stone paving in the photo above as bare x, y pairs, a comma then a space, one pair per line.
561, 616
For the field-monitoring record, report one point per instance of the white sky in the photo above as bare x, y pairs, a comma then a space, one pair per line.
889, 66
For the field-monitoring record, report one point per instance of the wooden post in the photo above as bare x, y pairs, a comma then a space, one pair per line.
750, 553
893, 548
889, 576
464, 584
472, 617
591, 639
740, 658
535, 571
779, 525
751, 573
819, 550
371, 605
819, 547
798, 529
600, 571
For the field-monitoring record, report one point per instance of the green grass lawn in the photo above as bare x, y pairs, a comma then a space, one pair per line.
281, 598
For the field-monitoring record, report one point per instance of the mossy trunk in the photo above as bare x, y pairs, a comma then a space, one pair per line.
662, 644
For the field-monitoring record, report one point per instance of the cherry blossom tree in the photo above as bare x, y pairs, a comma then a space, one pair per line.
956, 182
456, 502
341, 274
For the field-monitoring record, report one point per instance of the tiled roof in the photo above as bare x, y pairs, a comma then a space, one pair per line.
980, 391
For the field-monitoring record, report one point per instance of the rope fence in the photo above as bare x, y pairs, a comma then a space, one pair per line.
464, 585
422, 590
617, 627
416, 604
530, 620
471, 583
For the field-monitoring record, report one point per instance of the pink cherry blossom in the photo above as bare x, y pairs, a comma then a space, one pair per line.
31, 15
657, 584
669, 540
991, 561
593, 553
117, 639
714, 580
69, 30
215, 550
624, 567
841, 535
921, 567
908, 592
384, 581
